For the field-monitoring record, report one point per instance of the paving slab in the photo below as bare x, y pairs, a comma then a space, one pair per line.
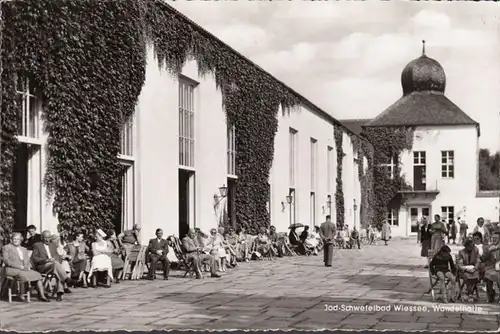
367, 289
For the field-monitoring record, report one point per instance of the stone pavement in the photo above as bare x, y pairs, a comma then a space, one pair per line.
283, 294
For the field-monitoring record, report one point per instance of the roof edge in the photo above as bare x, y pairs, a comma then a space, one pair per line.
304, 100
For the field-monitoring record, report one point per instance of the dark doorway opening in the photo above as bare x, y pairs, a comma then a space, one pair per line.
20, 186
119, 214
231, 202
419, 178
185, 200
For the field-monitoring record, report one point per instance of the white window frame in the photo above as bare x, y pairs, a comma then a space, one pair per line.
447, 164
393, 217
419, 158
231, 151
187, 123
27, 93
314, 164
390, 167
312, 204
127, 160
329, 159
34, 145
292, 142
448, 213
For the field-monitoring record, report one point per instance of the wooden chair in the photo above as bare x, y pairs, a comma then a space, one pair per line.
184, 263
13, 287
135, 262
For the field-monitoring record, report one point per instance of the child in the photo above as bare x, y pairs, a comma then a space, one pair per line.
443, 267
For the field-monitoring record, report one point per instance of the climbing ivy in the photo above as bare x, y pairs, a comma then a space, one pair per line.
387, 142
339, 191
87, 61
365, 175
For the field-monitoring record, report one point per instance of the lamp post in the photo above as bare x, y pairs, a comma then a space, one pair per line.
223, 194
355, 207
329, 204
289, 200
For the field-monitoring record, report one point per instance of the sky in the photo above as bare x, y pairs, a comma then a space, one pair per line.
347, 57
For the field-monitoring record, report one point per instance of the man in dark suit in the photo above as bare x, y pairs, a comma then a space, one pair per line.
194, 252
327, 232
157, 252
47, 261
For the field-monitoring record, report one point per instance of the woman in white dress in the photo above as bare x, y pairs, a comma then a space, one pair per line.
101, 260
312, 242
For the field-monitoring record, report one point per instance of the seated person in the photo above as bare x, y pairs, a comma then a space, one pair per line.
78, 253
130, 238
195, 254
317, 234
340, 239
491, 259
276, 241
242, 251
232, 242
47, 261
311, 242
355, 238
101, 260
18, 265
297, 245
230, 253
56, 239
477, 237
443, 267
214, 245
117, 255
157, 252
31, 238
468, 264
262, 243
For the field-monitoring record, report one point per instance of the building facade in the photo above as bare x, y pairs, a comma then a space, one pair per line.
178, 159
442, 165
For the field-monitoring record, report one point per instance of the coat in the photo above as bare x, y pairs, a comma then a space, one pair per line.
386, 232
327, 232
40, 256
469, 259
15, 267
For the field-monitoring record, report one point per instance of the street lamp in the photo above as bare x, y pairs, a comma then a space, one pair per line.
355, 207
223, 194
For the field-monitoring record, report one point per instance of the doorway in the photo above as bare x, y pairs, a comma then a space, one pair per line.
312, 219
20, 186
419, 171
186, 201
416, 215
231, 202
124, 216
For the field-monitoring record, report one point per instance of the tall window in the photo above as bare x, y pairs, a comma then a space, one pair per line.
313, 163
390, 166
293, 156
29, 118
419, 158
125, 217
27, 169
312, 200
231, 150
447, 164
329, 159
392, 217
186, 123
419, 171
447, 213
293, 207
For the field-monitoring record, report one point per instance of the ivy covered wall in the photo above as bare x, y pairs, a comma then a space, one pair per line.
387, 142
87, 60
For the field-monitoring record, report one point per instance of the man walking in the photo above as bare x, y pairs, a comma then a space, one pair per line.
327, 232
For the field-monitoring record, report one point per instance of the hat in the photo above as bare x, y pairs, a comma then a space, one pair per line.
101, 233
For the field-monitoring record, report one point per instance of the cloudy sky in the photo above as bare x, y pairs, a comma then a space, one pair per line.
347, 57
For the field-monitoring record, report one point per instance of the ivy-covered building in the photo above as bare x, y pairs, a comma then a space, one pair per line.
115, 113
426, 153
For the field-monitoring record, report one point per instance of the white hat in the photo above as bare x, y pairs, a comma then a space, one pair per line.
101, 233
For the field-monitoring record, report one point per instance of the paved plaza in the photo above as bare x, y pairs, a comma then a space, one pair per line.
283, 294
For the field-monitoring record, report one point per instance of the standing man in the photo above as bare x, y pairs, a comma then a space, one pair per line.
327, 232
438, 230
355, 238
157, 250
463, 230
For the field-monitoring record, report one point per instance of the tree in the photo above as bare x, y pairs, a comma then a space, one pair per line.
489, 170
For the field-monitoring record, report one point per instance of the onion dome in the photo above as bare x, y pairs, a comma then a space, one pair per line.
423, 74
